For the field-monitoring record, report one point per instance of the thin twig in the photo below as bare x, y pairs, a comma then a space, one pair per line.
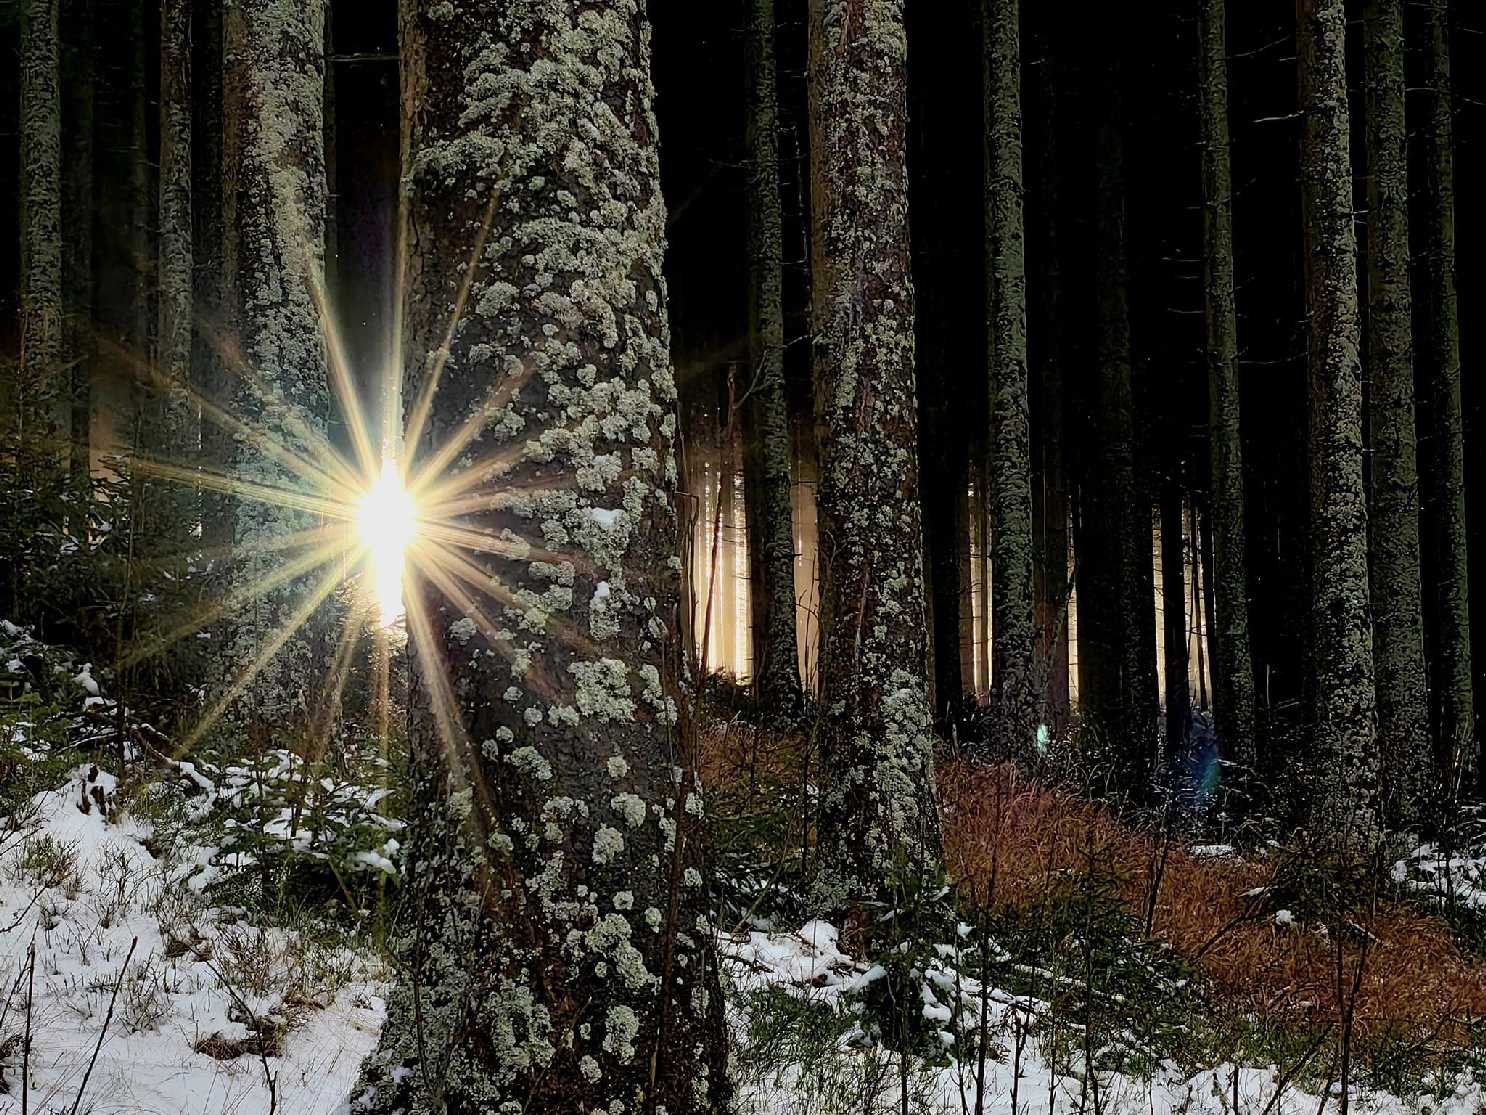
107, 1018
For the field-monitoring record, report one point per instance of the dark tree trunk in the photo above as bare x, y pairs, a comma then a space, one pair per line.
208, 311
876, 744
39, 380
557, 956
771, 521
1174, 617
1118, 573
1050, 485
1344, 805
175, 231
945, 203
1397, 598
1015, 693
1443, 477
78, 23
1228, 629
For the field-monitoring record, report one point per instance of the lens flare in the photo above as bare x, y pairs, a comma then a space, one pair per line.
388, 522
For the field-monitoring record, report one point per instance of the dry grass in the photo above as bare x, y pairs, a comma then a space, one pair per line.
1010, 841
1417, 983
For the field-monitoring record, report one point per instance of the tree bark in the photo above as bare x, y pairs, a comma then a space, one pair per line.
39, 379
1344, 805
1443, 478
78, 22
1050, 485
557, 955
1397, 597
1118, 573
1228, 629
1015, 695
208, 309
274, 223
878, 807
776, 667
175, 230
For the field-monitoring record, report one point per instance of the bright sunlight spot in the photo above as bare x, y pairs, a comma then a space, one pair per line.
388, 520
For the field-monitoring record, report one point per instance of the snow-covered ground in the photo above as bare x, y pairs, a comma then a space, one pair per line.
85, 890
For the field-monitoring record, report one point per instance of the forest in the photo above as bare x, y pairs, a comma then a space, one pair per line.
742, 557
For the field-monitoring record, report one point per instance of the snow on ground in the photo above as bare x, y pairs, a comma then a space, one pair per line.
82, 889
810, 966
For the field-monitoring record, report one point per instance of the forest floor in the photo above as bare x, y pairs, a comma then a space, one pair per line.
1098, 966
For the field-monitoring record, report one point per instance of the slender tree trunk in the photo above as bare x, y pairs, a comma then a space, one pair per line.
274, 222
1233, 668
1050, 485
775, 661
175, 231
208, 309
1345, 721
878, 807
39, 381
1443, 477
1174, 618
1119, 586
1397, 599
1015, 696
557, 953
78, 21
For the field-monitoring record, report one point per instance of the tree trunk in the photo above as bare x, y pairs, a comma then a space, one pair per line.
878, 807
1050, 486
208, 309
78, 23
1397, 599
175, 232
1443, 478
40, 375
1174, 618
776, 668
1228, 629
1344, 805
1118, 599
274, 221
1015, 698
557, 953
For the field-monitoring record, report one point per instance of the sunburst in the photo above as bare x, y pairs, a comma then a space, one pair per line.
382, 517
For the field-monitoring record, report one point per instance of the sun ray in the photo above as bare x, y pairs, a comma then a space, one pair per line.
471, 428
442, 702
340, 378
424, 405
296, 620
304, 468
262, 493
340, 671
239, 596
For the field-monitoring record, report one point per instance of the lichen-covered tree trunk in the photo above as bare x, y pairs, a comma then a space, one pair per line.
1443, 478
208, 307
38, 381
173, 344
1233, 668
1178, 696
1344, 759
556, 953
274, 223
776, 662
1015, 691
77, 221
1397, 596
878, 808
